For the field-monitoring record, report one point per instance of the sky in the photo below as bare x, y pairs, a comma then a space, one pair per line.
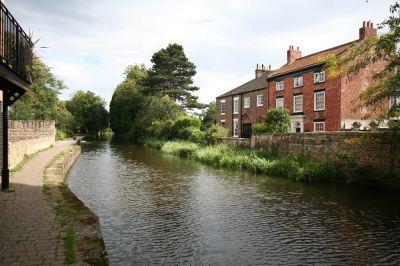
89, 43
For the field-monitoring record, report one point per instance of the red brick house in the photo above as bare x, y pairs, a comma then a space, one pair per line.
315, 102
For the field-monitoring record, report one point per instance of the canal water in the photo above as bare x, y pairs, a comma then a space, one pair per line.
160, 209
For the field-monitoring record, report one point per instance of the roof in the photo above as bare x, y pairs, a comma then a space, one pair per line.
312, 59
252, 85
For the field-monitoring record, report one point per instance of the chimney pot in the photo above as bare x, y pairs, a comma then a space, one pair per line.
372, 25
367, 30
364, 23
269, 67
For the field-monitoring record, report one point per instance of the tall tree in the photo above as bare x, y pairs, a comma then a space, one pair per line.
374, 50
89, 112
208, 117
42, 103
172, 75
127, 100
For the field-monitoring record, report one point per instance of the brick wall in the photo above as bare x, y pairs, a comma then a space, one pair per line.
375, 155
237, 142
28, 137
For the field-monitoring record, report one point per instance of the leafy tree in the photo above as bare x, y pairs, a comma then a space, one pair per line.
374, 50
42, 103
89, 112
277, 120
127, 100
208, 117
155, 110
171, 75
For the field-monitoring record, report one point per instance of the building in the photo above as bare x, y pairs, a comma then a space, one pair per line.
315, 101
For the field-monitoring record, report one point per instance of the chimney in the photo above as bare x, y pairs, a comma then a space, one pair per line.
260, 70
293, 54
367, 30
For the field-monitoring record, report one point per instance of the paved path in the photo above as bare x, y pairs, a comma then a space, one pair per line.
29, 232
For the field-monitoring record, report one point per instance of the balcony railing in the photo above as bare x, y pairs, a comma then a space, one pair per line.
15, 45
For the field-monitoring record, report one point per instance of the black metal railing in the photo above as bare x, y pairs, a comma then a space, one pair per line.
15, 45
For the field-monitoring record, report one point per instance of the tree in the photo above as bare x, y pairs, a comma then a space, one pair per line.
277, 120
374, 50
208, 117
42, 103
127, 100
171, 75
89, 112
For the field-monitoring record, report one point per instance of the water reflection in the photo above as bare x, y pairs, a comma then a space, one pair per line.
157, 209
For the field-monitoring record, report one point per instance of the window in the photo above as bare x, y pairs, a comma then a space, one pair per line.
297, 103
235, 127
222, 123
246, 102
319, 126
319, 101
279, 102
279, 85
260, 100
236, 105
298, 81
319, 77
223, 107
394, 101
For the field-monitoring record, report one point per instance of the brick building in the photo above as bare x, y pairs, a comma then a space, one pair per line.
315, 102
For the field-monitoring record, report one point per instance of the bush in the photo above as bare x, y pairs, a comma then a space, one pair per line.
277, 120
161, 129
213, 134
60, 135
394, 124
196, 135
183, 127
260, 128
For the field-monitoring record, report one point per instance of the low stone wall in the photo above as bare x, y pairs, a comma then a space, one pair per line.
28, 137
374, 154
237, 142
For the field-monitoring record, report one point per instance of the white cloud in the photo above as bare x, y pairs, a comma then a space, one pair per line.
91, 42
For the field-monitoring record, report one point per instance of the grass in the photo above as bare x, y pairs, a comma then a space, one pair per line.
299, 168
70, 243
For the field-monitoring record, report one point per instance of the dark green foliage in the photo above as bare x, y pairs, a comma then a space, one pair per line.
89, 112
394, 124
277, 120
172, 75
127, 100
208, 117
183, 127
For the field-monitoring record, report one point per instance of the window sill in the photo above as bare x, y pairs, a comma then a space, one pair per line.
260, 105
298, 87
319, 110
246, 107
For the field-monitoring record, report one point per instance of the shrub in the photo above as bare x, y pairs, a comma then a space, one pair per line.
60, 135
214, 134
260, 128
394, 124
277, 120
161, 129
196, 135
183, 126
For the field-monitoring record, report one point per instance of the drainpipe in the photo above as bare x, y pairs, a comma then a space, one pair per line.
5, 173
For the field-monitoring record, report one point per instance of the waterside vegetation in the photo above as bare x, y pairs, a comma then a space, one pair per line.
294, 167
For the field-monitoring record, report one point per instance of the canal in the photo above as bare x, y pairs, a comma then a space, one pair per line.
159, 209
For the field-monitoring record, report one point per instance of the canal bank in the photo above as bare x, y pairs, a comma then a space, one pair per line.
41, 220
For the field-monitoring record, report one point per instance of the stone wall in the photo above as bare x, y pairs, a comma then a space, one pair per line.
237, 142
372, 154
28, 137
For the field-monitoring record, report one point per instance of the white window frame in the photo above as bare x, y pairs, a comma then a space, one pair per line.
222, 121
279, 99
235, 128
223, 110
246, 102
319, 77
260, 100
294, 103
298, 81
279, 85
315, 100
319, 123
236, 105
394, 100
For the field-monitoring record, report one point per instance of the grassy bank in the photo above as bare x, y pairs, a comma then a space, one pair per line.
294, 167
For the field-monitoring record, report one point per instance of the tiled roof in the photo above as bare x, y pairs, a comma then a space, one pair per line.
312, 59
252, 85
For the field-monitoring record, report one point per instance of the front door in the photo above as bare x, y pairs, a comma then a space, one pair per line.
246, 131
